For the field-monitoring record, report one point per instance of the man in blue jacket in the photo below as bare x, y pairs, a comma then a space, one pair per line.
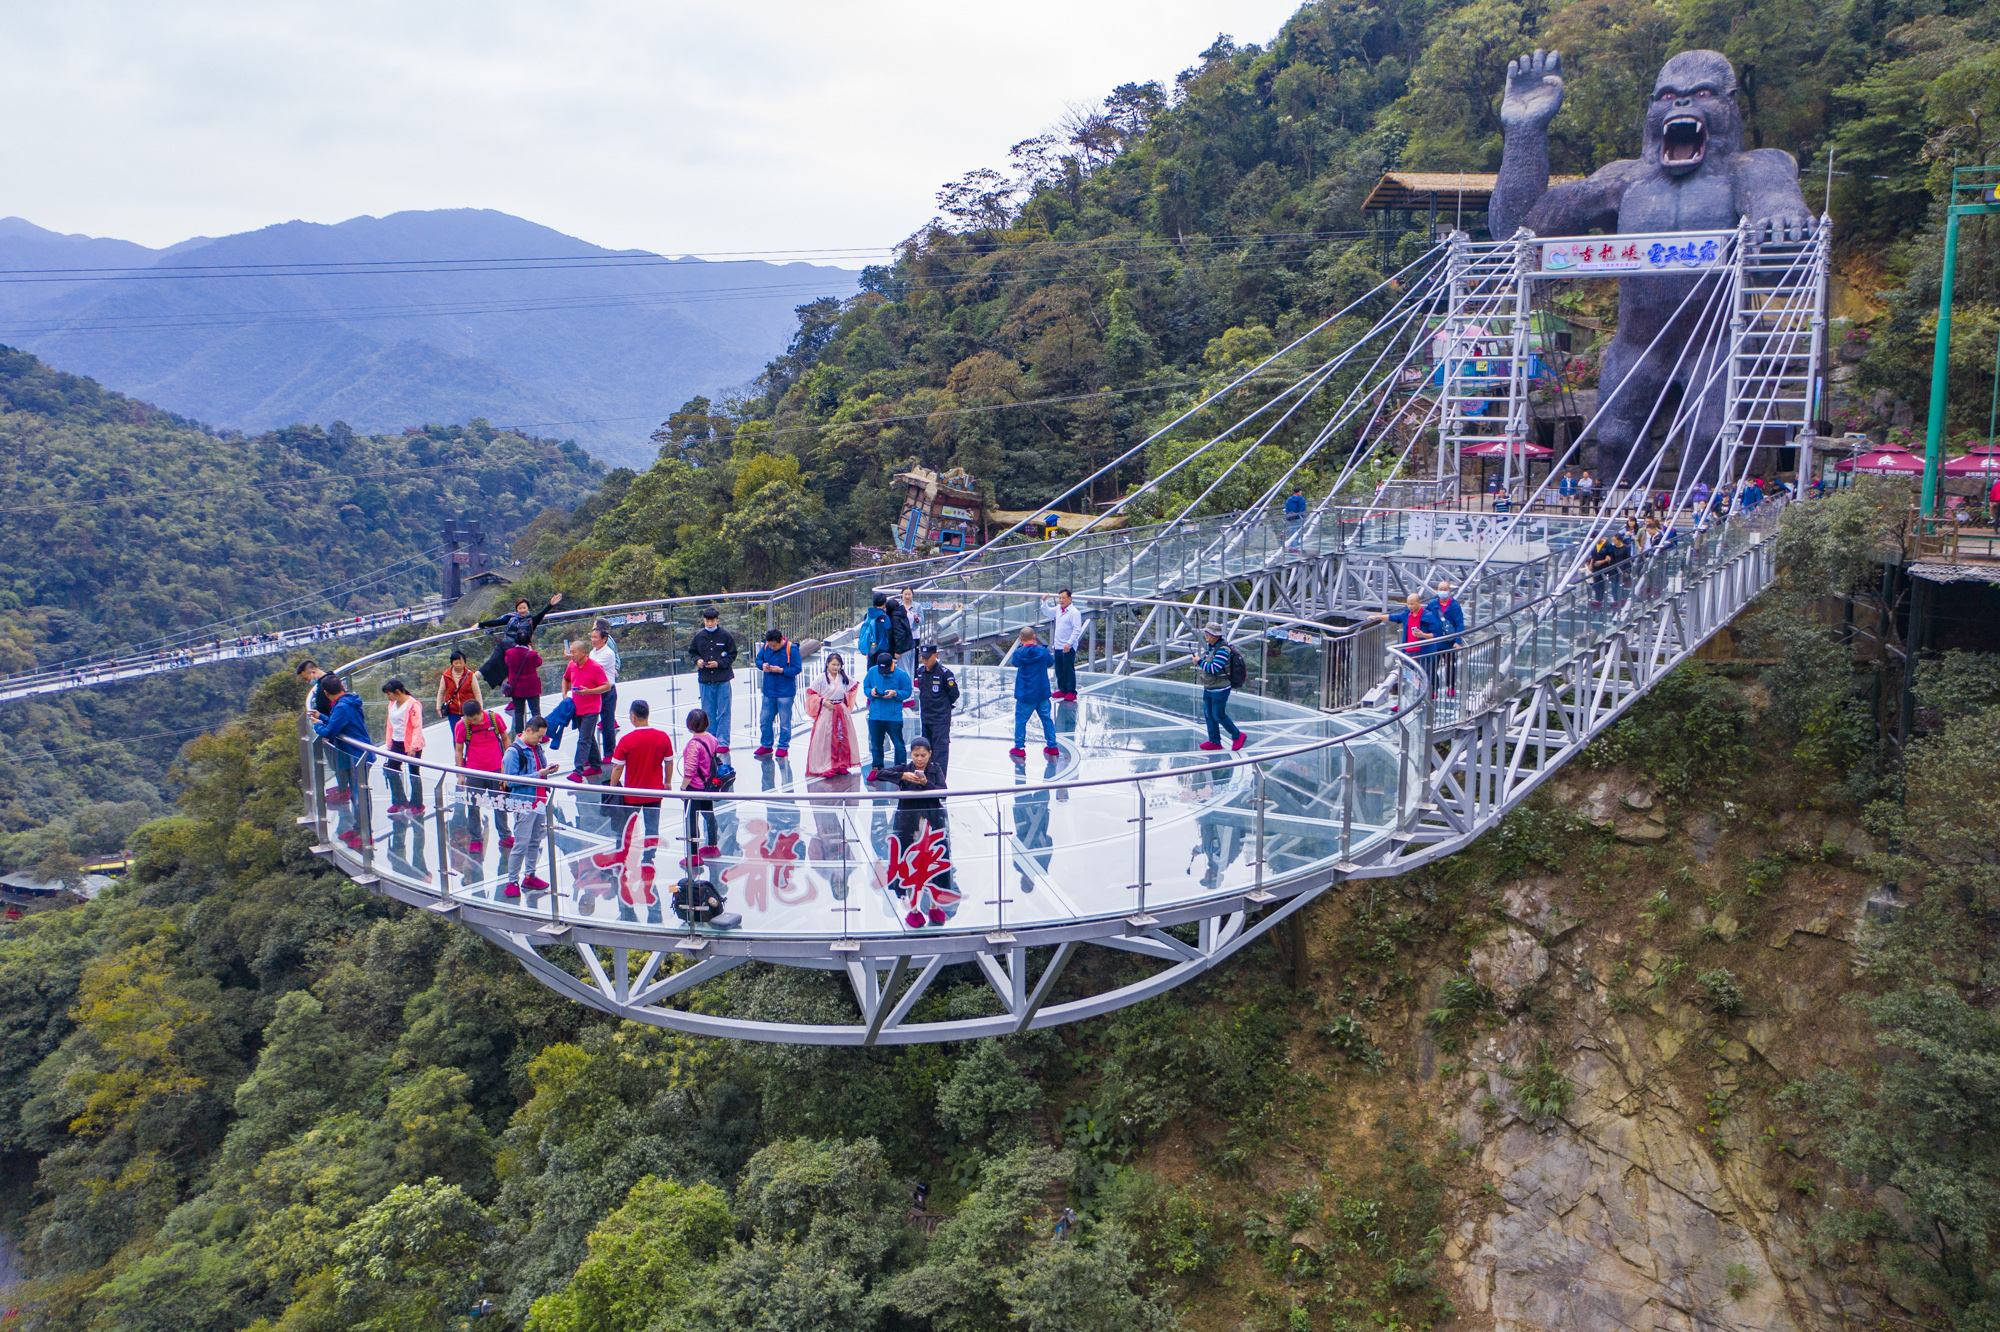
1031, 694
1449, 616
886, 686
1295, 516
341, 727
779, 662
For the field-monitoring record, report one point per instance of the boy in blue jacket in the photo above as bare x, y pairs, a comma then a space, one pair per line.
886, 686
1031, 694
779, 662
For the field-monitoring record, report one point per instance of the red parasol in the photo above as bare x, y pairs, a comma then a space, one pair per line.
1885, 461
1979, 463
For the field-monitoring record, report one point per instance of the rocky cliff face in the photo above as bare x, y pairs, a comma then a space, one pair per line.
1664, 1195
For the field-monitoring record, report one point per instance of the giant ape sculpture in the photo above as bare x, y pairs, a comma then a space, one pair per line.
1694, 176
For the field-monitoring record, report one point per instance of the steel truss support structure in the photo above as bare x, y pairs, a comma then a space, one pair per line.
1549, 663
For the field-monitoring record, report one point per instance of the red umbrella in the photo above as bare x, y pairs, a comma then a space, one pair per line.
1496, 448
1886, 461
1974, 464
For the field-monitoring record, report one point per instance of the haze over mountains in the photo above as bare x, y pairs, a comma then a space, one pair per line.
404, 320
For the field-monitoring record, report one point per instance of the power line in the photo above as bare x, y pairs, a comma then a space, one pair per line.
519, 305
556, 263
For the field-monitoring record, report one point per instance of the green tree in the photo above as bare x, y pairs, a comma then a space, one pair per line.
412, 1262
645, 1259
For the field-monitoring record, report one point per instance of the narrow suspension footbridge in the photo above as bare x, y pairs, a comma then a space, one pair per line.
1364, 757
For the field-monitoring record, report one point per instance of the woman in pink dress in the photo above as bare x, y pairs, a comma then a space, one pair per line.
830, 703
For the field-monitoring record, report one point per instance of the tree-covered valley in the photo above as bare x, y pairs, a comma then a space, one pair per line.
1644, 1056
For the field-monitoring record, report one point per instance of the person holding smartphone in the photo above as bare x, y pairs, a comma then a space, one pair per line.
525, 758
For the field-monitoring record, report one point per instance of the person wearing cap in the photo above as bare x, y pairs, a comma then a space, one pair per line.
886, 686
937, 695
713, 652
1031, 694
1214, 661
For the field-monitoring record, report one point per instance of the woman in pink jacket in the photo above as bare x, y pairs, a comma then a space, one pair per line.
405, 734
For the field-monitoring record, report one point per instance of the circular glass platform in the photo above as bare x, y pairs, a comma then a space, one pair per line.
1129, 817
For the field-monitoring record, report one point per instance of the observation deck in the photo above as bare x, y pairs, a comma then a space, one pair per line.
1365, 758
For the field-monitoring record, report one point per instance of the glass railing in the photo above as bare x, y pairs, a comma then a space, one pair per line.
1128, 816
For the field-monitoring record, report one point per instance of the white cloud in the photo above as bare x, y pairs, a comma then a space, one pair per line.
669, 126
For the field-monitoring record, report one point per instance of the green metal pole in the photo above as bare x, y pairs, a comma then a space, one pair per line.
1940, 367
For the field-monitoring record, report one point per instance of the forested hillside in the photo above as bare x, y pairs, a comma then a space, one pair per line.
1115, 270
1607, 1066
127, 524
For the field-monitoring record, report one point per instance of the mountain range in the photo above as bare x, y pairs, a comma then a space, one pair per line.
425, 317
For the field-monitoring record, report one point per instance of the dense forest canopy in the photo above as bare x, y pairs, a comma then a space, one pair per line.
129, 524
241, 1092
1114, 270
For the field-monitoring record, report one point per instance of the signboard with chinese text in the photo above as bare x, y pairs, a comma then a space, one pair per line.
1609, 256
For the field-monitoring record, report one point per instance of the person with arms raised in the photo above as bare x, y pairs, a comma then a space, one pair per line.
1067, 633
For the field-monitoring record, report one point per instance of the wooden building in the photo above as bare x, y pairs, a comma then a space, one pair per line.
941, 511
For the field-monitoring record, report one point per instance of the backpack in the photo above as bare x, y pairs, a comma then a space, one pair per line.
1239, 669
721, 774
901, 640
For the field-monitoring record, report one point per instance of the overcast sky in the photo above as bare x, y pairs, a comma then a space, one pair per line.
789, 125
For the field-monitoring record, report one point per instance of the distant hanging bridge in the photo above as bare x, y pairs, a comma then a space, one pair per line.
184, 656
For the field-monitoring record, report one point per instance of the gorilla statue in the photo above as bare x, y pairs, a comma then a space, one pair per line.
1694, 175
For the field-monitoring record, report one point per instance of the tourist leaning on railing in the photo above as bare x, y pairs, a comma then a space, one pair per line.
345, 729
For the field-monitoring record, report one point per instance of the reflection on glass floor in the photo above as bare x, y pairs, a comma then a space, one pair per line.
1021, 855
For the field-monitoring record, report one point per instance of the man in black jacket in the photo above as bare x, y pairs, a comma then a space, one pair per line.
713, 652
937, 695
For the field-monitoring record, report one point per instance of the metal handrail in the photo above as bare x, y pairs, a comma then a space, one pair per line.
599, 790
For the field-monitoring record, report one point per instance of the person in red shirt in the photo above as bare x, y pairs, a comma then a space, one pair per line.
480, 739
584, 685
640, 762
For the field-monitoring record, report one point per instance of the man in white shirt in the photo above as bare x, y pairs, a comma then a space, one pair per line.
604, 651
1068, 633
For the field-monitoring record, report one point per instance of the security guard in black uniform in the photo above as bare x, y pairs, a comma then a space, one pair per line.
937, 695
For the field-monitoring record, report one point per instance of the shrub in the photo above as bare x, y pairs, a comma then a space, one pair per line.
1724, 994
1543, 1090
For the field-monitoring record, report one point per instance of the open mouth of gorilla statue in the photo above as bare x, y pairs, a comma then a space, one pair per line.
1683, 141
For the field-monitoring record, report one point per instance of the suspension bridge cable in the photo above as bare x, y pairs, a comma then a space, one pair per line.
1141, 446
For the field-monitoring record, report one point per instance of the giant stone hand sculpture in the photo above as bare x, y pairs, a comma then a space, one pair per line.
1695, 175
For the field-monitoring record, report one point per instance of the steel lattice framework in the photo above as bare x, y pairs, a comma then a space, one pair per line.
1382, 762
